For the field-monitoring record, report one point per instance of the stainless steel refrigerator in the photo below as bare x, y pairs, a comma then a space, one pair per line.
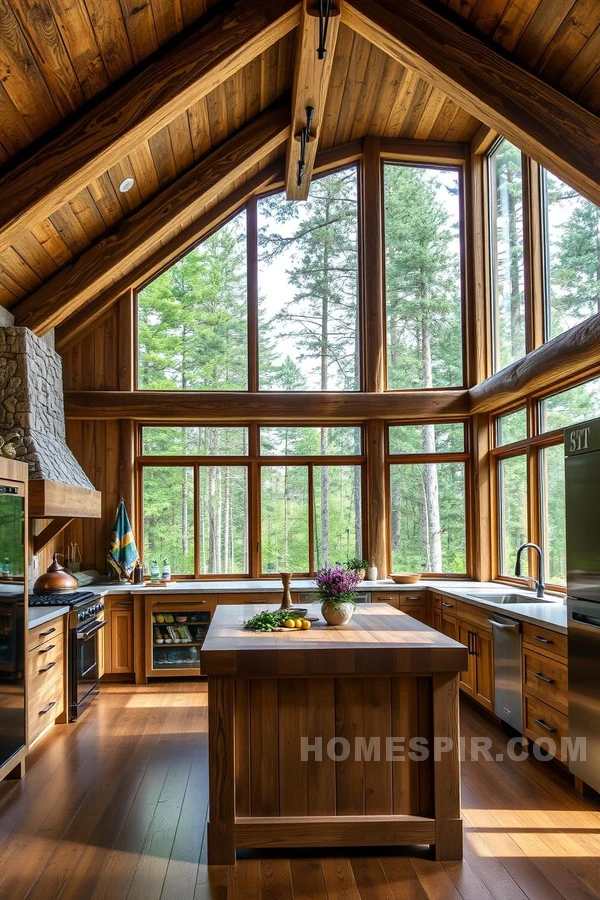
582, 482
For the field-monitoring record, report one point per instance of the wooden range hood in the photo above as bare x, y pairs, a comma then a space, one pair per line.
61, 503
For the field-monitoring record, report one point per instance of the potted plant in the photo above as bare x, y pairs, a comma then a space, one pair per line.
359, 566
336, 589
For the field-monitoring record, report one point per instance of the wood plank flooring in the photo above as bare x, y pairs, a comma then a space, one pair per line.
114, 808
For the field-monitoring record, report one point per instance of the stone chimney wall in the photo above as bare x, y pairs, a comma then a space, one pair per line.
32, 407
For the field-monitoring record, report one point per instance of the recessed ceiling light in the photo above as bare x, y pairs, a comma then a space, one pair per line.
126, 185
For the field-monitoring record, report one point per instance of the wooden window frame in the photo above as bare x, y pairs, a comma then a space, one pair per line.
254, 462
531, 448
459, 166
464, 458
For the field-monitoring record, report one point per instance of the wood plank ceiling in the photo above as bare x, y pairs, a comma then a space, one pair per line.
559, 40
58, 56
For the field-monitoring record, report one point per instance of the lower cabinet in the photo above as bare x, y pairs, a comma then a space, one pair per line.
545, 689
417, 605
46, 678
476, 635
118, 636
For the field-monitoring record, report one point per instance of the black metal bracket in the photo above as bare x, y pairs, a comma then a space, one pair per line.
324, 17
305, 138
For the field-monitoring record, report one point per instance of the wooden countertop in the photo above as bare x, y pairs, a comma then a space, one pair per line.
379, 640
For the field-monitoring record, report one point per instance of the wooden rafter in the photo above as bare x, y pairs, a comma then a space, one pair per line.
544, 123
104, 262
272, 177
268, 406
311, 81
105, 134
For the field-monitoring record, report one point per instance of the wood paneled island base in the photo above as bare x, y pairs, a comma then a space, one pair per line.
310, 734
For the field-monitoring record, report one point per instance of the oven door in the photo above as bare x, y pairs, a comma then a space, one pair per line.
85, 657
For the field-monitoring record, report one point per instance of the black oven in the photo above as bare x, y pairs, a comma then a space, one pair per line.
85, 635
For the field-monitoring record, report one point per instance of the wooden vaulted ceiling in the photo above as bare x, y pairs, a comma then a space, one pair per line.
59, 58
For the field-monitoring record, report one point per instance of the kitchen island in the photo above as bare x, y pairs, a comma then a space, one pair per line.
313, 734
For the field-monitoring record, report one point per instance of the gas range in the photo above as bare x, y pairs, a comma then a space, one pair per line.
84, 605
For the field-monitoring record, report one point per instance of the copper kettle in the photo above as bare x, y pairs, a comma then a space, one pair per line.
55, 581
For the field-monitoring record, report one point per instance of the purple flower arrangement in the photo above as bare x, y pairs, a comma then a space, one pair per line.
336, 584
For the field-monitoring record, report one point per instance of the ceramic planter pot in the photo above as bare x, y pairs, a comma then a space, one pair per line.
337, 613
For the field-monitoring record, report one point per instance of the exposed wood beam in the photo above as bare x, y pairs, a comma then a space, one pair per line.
164, 256
99, 266
311, 82
105, 134
551, 367
441, 153
544, 123
272, 176
268, 406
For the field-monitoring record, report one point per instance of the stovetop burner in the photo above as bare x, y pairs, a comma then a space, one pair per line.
60, 599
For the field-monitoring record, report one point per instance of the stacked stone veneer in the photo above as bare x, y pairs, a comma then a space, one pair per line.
32, 404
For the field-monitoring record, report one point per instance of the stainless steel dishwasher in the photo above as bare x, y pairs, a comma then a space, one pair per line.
508, 691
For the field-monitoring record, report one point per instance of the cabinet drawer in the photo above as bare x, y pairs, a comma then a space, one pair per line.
41, 634
385, 597
474, 614
546, 679
542, 721
44, 707
544, 639
448, 605
45, 663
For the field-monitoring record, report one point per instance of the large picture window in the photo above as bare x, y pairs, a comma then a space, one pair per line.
427, 498
214, 508
308, 288
193, 321
423, 277
507, 265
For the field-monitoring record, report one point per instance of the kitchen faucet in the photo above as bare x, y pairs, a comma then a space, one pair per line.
539, 585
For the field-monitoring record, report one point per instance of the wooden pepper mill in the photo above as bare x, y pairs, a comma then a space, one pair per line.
286, 597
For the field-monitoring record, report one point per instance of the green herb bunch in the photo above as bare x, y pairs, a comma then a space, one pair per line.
268, 620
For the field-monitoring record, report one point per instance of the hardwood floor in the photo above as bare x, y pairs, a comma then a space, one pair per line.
115, 807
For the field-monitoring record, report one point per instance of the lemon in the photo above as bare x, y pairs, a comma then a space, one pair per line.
298, 623
305, 625
289, 623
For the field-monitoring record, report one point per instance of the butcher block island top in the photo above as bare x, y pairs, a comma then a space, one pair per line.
332, 737
378, 640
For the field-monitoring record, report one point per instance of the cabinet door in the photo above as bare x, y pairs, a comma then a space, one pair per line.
449, 626
121, 640
437, 619
484, 666
467, 678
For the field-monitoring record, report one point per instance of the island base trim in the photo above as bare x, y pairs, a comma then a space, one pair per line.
333, 831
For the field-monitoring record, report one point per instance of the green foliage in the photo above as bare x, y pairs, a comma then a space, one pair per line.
192, 319
423, 292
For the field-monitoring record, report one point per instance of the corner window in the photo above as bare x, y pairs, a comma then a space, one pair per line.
572, 255
423, 277
507, 268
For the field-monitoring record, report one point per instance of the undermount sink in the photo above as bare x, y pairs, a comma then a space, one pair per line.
508, 599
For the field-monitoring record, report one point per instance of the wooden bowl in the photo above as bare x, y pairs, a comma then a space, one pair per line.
405, 578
